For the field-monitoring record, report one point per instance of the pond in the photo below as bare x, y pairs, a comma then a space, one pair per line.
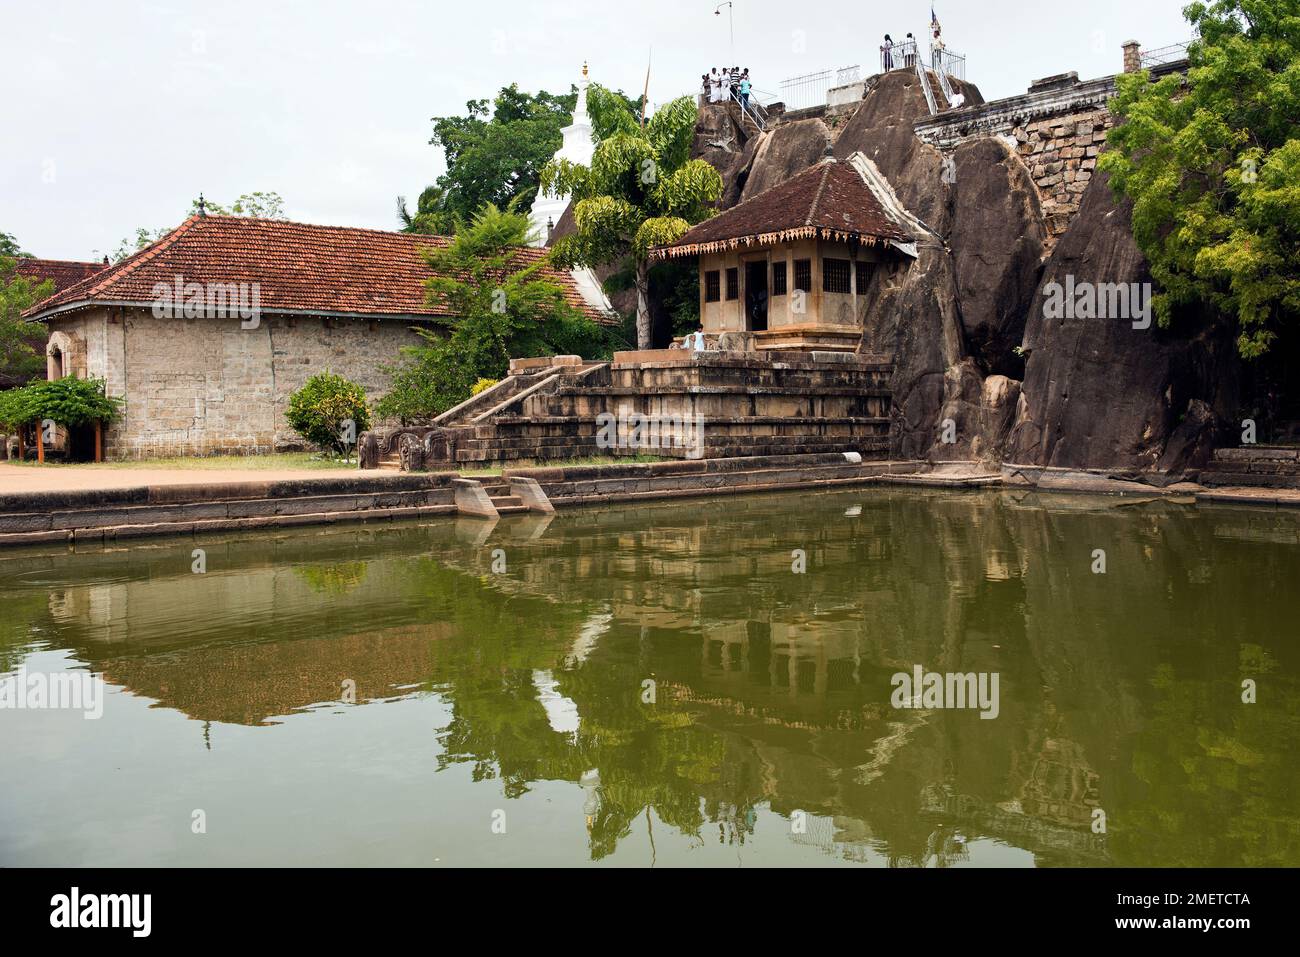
705, 682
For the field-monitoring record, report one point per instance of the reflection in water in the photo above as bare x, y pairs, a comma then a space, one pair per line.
655, 683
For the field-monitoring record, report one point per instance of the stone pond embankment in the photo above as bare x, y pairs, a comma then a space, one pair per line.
108, 515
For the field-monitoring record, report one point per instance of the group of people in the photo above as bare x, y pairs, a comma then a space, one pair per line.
908, 49
719, 86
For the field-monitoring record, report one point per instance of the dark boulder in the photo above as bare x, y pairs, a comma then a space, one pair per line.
911, 315
1097, 392
997, 240
784, 151
882, 129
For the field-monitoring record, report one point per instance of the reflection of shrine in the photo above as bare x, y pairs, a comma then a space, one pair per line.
772, 687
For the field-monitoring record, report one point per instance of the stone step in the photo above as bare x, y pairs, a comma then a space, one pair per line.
505, 501
110, 533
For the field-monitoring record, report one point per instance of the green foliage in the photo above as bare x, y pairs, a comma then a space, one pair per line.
1213, 169
21, 343
68, 401
255, 205
432, 216
680, 281
9, 247
641, 190
321, 410
499, 310
482, 385
495, 152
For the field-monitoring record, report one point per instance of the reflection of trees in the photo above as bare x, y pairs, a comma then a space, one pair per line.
1118, 692
15, 628
337, 578
1235, 761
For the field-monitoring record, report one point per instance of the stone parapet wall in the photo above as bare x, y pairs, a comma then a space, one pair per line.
1057, 129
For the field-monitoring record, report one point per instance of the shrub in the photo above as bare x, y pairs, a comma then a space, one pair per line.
330, 412
68, 401
482, 385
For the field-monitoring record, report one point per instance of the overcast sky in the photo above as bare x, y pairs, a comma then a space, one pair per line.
117, 113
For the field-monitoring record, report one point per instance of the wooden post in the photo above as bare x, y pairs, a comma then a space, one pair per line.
21, 450
99, 441
40, 443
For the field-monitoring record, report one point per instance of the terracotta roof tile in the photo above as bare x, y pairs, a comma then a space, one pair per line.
830, 199
64, 272
298, 268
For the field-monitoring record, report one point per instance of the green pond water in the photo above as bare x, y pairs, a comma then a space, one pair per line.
657, 685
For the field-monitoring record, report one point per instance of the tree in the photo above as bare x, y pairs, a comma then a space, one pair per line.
1212, 165
433, 214
495, 154
256, 205
641, 190
9, 247
21, 343
329, 411
499, 309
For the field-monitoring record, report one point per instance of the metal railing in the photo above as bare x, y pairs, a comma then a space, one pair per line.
1163, 55
900, 56
903, 56
751, 109
923, 75
802, 92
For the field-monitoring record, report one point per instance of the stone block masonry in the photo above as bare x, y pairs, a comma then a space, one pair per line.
1061, 155
209, 386
1057, 129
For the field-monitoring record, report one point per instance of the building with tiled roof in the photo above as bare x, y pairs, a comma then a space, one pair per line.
300, 269
62, 272
794, 265
208, 331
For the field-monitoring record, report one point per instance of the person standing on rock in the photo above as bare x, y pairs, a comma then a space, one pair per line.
725, 95
887, 54
715, 84
909, 52
744, 90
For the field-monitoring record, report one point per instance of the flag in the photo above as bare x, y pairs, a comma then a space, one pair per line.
934, 19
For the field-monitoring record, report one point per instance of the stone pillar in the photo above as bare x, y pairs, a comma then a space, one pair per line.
1132, 57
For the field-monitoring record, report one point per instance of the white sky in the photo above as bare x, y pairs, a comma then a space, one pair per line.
117, 113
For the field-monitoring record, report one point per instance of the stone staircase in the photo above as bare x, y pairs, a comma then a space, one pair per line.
1258, 466
493, 498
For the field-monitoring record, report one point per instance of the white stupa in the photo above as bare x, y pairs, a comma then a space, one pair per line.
576, 148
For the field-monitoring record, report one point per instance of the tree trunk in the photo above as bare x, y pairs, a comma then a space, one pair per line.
643, 324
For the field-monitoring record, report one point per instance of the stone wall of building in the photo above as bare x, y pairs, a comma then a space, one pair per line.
1061, 154
209, 386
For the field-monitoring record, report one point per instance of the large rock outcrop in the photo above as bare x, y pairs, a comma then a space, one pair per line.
881, 127
961, 320
997, 240
784, 151
1099, 393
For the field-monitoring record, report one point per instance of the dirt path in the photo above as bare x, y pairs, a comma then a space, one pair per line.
22, 478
